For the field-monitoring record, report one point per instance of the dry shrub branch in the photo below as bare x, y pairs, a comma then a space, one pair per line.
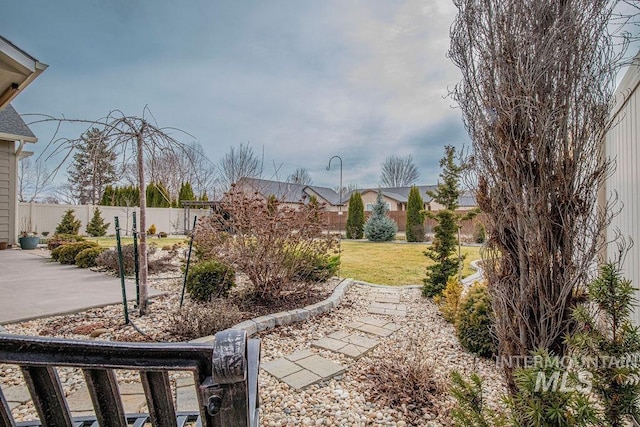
537, 83
271, 243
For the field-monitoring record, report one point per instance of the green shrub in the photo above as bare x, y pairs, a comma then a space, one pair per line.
69, 224
97, 227
449, 301
318, 268
62, 239
474, 322
66, 254
87, 257
480, 233
210, 279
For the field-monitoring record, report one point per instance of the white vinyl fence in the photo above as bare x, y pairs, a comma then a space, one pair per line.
623, 146
45, 217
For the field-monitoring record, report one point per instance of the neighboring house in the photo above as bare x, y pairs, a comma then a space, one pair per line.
289, 193
623, 146
296, 194
17, 70
398, 197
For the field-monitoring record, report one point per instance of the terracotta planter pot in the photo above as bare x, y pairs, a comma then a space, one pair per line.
3, 246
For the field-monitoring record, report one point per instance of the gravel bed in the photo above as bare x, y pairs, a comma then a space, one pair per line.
347, 400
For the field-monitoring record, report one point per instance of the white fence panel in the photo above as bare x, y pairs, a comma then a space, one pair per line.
45, 217
623, 146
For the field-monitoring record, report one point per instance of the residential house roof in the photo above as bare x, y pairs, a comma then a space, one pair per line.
289, 192
13, 128
18, 68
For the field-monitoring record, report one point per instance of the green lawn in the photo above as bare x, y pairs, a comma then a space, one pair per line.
391, 263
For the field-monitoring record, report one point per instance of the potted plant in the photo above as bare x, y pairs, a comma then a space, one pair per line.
28, 239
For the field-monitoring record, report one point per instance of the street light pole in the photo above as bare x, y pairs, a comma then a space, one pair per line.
339, 191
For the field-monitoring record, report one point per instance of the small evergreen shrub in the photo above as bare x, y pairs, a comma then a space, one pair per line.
210, 279
449, 301
66, 254
62, 239
152, 230
474, 322
97, 227
379, 227
69, 224
87, 257
480, 233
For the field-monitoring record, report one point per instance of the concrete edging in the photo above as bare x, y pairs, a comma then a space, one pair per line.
270, 321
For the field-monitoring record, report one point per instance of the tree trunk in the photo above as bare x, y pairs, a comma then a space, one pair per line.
143, 225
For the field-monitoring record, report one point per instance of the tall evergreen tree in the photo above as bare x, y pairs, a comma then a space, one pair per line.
93, 167
185, 193
355, 217
415, 216
442, 252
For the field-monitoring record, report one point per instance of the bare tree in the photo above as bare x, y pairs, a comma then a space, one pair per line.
537, 84
34, 179
398, 172
132, 138
300, 176
239, 163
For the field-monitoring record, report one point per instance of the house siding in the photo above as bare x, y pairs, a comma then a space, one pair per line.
7, 192
622, 147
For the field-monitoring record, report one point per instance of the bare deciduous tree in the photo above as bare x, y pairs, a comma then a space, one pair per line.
34, 179
131, 137
537, 84
300, 176
398, 172
239, 163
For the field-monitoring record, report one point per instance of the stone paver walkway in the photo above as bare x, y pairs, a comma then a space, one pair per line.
304, 368
373, 326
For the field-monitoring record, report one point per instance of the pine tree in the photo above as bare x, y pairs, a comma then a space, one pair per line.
97, 227
185, 193
379, 227
93, 168
415, 216
355, 217
69, 224
442, 252
606, 333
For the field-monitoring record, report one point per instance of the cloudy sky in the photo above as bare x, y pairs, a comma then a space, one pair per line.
303, 80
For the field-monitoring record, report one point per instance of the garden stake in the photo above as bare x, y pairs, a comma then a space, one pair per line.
135, 259
121, 265
186, 270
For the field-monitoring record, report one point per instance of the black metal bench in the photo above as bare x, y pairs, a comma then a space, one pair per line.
225, 376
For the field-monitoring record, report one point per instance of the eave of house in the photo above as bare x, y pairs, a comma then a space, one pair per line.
17, 70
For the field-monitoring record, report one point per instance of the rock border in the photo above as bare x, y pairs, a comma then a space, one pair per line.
270, 321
